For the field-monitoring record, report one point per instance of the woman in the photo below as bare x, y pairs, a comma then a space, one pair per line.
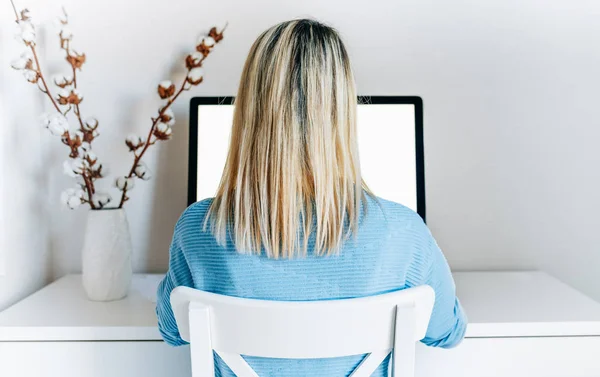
292, 218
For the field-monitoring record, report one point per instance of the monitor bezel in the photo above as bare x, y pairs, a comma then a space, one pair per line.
416, 101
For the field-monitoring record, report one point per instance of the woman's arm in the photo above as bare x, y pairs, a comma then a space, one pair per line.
448, 321
178, 275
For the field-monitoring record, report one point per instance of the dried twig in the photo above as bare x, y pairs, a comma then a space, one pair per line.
41, 75
15, 9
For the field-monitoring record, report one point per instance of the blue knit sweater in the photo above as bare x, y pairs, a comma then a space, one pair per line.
393, 249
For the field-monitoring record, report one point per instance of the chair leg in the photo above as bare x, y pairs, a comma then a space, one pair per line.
403, 359
203, 364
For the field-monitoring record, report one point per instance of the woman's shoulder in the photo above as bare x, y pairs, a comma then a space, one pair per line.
396, 217
198, 208
194, 215
392, 211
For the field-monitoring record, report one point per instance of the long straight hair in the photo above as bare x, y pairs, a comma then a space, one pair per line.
292, 167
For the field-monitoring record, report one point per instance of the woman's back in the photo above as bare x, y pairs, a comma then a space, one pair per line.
391, 250
292, 218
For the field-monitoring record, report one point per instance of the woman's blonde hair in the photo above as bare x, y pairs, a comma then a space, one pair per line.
293, 166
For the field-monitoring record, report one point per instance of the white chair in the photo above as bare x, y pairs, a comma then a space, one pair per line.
303, 329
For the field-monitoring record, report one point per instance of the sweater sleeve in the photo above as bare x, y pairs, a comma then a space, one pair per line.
448, 321
179, 274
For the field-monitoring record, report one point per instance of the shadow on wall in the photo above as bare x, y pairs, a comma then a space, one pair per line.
24, 257
170, 194
169, 197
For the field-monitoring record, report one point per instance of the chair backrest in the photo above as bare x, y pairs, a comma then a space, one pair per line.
233, 326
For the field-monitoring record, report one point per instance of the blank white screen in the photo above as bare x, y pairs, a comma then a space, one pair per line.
386, 142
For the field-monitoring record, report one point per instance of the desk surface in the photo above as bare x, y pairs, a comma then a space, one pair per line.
498, 304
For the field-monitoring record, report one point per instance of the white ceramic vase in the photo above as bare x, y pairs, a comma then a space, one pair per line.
107, 255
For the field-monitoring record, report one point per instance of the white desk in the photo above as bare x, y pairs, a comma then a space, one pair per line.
520, 324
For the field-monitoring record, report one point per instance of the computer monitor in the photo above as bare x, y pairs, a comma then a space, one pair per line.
390, 143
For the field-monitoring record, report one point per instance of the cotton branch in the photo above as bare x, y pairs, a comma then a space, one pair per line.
161, 125
57, 123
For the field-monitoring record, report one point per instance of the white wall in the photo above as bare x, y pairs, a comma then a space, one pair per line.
24, 253
511, 116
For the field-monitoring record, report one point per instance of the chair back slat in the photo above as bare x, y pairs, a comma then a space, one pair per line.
306, 329
370, 363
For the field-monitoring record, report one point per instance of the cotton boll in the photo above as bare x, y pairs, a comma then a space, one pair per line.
56, 131
166, 84
209, 41
30, 75
25, 14
73, 202
130, 183
19, 63
75, 134
91, 156
134, 141
62, 81
64, 197
197, 56
169, 113
124, 183
68, 169
62, 93
166, 89
66, 33
73, 97
58, 80
101, 199
168, 117
84, 148
101, 169
142, 171
78, 165
163, 131
194, 59
26, 31
72, 198
57, 124
162, 127
28, 36
17, 33
78, 94
195, 75
44, 120
121, 183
